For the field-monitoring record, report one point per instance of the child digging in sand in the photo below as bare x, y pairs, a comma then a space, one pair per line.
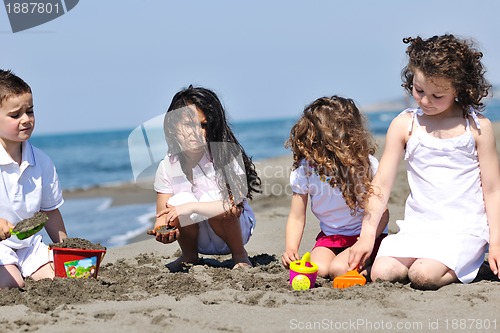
333, 166
453, 172
28, 185
203, 182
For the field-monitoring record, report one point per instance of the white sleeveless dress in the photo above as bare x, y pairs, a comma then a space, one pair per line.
445, 216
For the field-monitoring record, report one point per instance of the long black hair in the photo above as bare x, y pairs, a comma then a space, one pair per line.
218, 135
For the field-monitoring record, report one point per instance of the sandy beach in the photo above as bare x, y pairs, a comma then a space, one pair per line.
135, 292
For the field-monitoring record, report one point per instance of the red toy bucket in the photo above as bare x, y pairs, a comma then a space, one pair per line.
77, 263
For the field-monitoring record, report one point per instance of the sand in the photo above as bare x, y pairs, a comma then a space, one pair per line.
135, 292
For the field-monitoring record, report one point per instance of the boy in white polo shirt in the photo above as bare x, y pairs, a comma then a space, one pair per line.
28, 184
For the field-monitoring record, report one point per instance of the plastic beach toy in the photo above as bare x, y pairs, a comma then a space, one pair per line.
30, 226
77, 263
349, 279
303, 273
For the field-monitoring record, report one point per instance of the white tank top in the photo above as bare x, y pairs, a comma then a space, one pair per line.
445, 182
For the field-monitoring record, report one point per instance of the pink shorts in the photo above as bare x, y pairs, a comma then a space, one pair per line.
339, 243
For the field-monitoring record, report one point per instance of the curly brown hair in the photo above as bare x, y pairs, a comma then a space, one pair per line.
452, 58
332, 135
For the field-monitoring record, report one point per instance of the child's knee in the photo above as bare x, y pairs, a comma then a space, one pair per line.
378, 273
420, 281
12, 284
323, 271
386, 270
421, 277
337, 267
10, 281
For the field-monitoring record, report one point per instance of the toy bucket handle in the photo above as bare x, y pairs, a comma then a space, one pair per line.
102, 256
305, 258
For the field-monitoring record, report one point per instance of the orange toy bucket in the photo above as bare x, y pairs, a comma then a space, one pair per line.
77, 263
303, 273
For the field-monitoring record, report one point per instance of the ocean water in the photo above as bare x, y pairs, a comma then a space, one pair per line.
85, 160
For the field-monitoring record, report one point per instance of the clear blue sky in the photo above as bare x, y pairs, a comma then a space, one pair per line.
112, 64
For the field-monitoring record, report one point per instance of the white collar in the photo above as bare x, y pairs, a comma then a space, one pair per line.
27, 155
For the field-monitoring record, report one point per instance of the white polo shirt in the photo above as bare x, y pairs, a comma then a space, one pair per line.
27, 188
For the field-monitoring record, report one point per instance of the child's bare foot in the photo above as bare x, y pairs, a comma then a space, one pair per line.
242, 265
181, 264
242, 262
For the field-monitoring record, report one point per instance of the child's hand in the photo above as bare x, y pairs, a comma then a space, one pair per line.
288, 257
5, 227
165, 234
494, 259
360, 252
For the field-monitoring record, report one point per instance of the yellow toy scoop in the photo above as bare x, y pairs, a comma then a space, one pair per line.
349, 279
30, 226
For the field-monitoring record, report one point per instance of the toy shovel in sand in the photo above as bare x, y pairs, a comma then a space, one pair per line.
349, 279
30, 226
